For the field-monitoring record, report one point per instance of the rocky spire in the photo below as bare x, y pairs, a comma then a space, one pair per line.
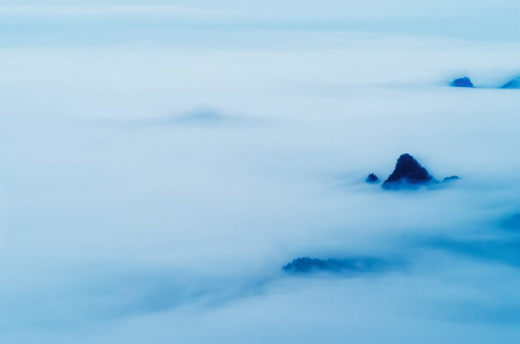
407, 173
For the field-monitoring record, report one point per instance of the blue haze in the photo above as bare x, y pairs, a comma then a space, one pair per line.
161, 163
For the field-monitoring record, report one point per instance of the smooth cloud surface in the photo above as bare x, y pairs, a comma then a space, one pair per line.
155, 194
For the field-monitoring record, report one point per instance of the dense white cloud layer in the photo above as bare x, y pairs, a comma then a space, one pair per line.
153, 192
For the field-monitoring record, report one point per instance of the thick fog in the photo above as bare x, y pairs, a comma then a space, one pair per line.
153, 186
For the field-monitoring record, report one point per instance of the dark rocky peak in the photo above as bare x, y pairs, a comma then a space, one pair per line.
450, 179
348, 266
408, 173
462, 82
513, 84
372, 179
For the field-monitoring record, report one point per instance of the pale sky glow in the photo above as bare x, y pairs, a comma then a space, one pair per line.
225, 23
329, 8
454, 14
53, 11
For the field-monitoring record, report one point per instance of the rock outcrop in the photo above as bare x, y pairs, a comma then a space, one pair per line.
408, 173
462, 82
450, 179
372, 179
356, 265
513, 84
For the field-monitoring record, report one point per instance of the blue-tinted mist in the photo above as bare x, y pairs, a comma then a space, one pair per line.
159, 166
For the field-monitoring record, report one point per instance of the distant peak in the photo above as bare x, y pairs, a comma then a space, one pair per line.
513, 84
462, 82
372, 178
408, 172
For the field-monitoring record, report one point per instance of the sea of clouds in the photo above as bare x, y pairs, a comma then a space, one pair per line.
152, 192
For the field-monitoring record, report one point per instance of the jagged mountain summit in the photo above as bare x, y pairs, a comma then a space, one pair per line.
462, 82
407, 173
372, 179
513, 84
